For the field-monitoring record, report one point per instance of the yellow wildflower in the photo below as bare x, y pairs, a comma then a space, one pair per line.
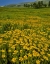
3, 56
20, 51
20, 39
13, 47
35, 53
48, 55
3, 50
40, 45
24, 47
9, 50
13, 60
45, 57
15, 52
43, 39
37, 61
49, 36
20, 59
31, 47
42, 52
25, 57
29, 55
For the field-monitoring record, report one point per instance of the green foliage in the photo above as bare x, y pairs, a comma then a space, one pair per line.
49, 4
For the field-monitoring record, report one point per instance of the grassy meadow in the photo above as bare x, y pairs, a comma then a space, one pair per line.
24, 36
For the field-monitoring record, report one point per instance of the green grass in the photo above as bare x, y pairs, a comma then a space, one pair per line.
20, 13
11, 15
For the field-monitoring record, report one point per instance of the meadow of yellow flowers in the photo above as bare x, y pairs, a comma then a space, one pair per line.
25, 42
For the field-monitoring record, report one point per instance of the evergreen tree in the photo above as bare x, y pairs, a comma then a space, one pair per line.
49, 4
35, 5
39, 4
45, 5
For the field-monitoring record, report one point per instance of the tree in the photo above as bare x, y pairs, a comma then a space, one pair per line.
35, 5
26, 5
45, 5
39, 4
49, 4
31, 5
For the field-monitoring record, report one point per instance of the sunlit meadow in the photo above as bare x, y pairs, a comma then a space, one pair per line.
24, 36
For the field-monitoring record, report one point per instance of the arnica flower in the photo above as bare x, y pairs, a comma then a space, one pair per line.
35, 53
25, 57
11, 41
48, 55
2, 50
45, 57
49, 36
13, 60
42, 52
10, 44
24, 47
22, 44
37, 61
27, 48
45, 48
20, 51
3, 56
20, 59
14, 39
40, 45
9, 50
25, 39
29, 55
31, 47
20, 39
15, 51
43, 39
13, 47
